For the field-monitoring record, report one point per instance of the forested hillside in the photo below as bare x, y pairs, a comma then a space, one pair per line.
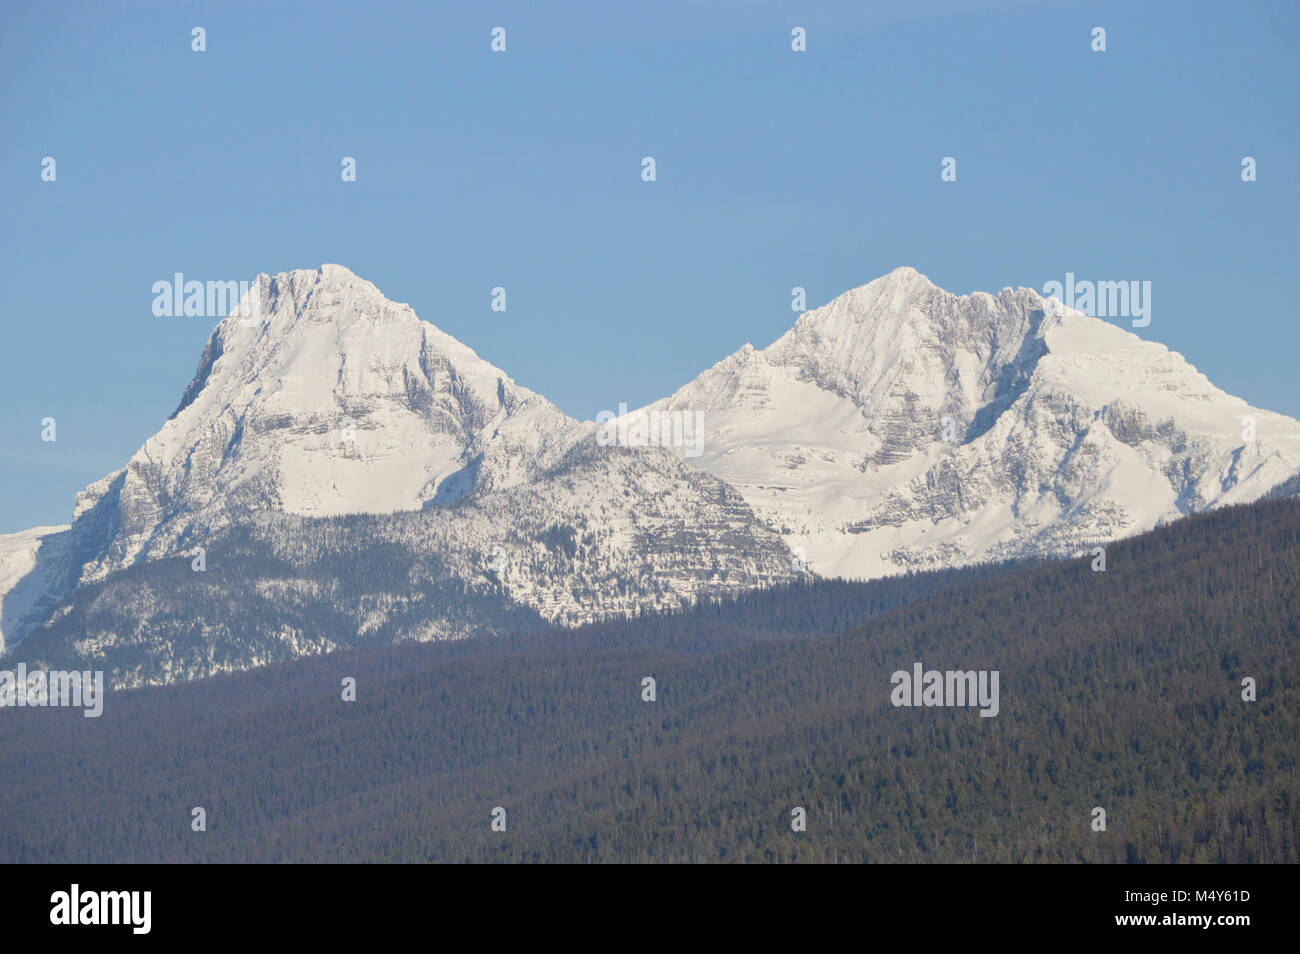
1119, 689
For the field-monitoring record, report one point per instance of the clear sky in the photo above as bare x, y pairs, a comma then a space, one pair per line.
523, 169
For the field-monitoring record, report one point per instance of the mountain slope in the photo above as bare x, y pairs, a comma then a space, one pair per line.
606, 533
1120, 689
35, 568
901, 426
316, 399
331, 400
898, 427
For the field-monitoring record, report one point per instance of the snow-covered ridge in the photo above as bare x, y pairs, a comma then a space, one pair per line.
898, 426
319, 397
335, 400
901, 426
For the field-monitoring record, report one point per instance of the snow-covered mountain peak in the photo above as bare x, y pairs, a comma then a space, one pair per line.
898, 426
901, 426
902, 334
289, 307
901, 281
318, 396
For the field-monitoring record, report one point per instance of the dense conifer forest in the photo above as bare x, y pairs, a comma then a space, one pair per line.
1119, 690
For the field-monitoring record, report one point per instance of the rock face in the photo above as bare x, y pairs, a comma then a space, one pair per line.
901, 426
354, 474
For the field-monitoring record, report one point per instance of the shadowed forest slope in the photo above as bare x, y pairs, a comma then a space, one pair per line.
1119, 689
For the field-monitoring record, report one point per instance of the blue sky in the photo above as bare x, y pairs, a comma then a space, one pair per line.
477, 169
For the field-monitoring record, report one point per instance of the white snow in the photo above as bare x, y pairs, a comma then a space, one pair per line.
799, 427
24, 581
1067, 431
